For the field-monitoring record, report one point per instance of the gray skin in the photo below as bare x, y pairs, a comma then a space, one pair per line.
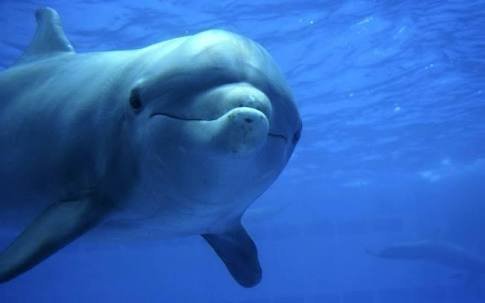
442, 253
183, 135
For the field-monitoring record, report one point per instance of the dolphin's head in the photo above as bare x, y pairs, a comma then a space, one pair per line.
215, 119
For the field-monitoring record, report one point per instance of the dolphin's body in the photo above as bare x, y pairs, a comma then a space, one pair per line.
443, 253
184, 134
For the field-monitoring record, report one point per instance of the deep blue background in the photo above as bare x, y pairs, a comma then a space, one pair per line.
392, 96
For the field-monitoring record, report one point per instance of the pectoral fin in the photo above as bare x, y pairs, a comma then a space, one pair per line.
238, 252
56, 227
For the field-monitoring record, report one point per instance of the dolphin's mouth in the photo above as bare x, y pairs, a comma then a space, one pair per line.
278, 136
180, 118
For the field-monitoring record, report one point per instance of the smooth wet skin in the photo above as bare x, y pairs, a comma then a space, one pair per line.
184, 134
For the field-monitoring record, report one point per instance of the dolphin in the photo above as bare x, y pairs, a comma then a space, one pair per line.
183, 135
439, 252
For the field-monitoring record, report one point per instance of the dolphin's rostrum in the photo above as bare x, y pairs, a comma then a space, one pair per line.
185, 133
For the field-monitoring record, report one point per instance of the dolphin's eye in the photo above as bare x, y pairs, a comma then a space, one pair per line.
135, 100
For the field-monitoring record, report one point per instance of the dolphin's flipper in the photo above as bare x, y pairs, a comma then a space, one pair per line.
58, 225
49, 38
238, 252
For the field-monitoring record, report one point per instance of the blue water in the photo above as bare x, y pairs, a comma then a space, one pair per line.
392, 97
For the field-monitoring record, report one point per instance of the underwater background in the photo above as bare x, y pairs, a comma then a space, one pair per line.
392, 97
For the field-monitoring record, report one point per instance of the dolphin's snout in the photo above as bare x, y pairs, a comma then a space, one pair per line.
232, 119
253, 99
243, 131
220, 100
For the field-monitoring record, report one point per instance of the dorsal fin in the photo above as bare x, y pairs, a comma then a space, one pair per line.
49, 38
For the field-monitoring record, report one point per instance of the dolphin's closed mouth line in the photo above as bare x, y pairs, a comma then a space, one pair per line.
278, 136
179, 118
